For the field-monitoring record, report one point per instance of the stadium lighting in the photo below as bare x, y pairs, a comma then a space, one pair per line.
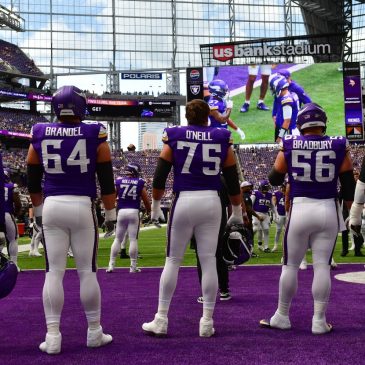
11, 20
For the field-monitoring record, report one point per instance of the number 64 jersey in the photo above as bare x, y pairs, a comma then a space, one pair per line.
68, 154
313, 164
198, 155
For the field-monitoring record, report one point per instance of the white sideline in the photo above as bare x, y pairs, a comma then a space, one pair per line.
25, 248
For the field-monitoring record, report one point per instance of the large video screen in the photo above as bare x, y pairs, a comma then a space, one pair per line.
322, 82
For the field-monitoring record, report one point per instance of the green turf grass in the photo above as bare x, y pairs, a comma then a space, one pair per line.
152, 245
322, 82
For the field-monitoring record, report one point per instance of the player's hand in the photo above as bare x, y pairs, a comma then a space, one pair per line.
241, 133
229, 104
156, 212
236, 216
260, 217
110, 220
354, 226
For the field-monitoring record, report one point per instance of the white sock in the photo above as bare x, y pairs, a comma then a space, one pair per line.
94, 325
53, 328
260, 101
247, 102
208, 314
320, 310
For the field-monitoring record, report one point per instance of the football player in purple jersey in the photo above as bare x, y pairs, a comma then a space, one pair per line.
278, 201
287, 106
198, 153
2, 204
262, 204
314, 162
13, 207
130, 190
220, 108
69, 154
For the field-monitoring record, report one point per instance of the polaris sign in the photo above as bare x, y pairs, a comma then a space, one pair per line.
141, 76
228, 51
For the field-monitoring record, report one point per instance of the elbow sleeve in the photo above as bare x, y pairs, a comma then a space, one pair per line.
230, 175
104, 170
34, 178
162, 171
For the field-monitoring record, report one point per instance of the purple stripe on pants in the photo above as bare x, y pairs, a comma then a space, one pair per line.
170, 223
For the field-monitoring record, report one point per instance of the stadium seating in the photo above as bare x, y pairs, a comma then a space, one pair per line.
13, 59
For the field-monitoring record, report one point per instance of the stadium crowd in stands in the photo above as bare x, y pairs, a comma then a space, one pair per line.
13, 59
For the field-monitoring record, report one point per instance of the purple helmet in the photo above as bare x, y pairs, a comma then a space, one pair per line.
280, 84
237, 246
218, 88
311, 115
286, 73
264, 185
133, 169
273, 82
69, 101
8, 276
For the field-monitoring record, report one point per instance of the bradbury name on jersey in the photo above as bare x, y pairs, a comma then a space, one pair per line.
63, 132
312, 145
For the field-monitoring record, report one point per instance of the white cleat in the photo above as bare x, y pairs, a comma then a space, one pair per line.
333, 264
110, 268
158, 327
52, 344
274, 249
321, 327
303, 265
277, 321
206, 328
96, 338
134, 270
35, 254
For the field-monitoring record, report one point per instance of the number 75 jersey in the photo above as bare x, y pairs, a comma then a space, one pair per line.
68, 154
313, 164
198, 155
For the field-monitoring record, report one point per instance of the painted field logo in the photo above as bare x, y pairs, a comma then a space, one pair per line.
194, 74
223, 53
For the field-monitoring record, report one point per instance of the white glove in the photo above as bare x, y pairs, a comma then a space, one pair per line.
110, 220
275, 219
229, 104
2, 239
241, 133
156, 211
236, 216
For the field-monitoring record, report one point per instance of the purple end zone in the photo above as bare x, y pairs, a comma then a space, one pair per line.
129, 300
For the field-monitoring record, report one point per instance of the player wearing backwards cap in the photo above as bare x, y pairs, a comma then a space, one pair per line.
130, 190
69, 154
314, 163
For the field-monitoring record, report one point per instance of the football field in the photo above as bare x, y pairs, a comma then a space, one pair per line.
322, 82
152, 243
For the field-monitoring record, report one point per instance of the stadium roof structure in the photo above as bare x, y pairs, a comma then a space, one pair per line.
11, 20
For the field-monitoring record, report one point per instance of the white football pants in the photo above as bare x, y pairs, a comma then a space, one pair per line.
195, 213
70, 220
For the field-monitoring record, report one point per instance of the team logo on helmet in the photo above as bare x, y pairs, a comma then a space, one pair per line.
311, 115
133, 169
237, 246
69, 101
218, 88
8, 276
280, 84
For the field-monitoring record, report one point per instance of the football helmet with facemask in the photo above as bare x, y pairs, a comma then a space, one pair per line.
8, 276
264, 186
237, 247
218, 88
133, 169
69, 101
311, 115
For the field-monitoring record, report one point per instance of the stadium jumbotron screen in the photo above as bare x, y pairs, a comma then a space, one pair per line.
322, 82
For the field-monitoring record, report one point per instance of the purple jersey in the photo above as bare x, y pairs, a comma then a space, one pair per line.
290, 99
220, 105
280, 202
302, 96
9, 202
68, 154
2, 193
129, 192
262, 202
198, 155
313, 164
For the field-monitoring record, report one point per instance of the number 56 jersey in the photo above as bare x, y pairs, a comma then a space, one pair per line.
313, 164
68, 154
198, 155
